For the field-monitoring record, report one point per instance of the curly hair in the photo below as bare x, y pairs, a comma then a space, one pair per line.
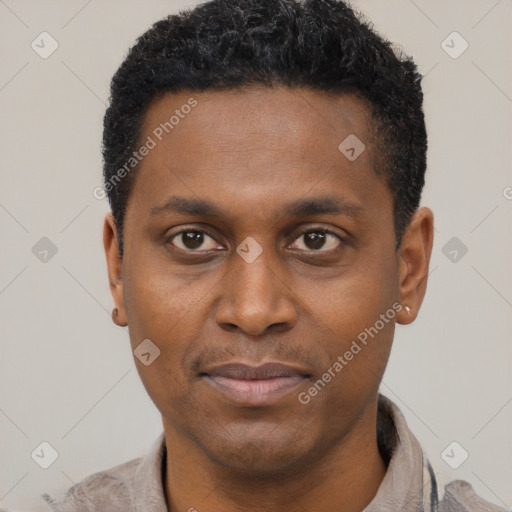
323, 45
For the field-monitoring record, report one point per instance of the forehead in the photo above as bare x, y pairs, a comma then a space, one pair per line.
278, 117
256, 146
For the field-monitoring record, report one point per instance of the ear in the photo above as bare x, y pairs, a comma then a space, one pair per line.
114, 267
414, 258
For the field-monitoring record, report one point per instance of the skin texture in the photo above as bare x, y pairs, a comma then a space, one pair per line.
251, 152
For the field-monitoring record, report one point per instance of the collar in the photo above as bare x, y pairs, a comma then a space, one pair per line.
409, 484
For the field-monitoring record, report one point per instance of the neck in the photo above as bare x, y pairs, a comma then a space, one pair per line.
346, 477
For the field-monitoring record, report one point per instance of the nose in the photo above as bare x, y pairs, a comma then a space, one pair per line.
256, 297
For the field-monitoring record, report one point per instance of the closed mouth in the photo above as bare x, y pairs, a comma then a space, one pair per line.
254, 385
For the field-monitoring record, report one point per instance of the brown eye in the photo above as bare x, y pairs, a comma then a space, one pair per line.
315, 240
192, 240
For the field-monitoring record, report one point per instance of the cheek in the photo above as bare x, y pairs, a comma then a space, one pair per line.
361, 343
358, 315
171, 312
158, 304
157, 310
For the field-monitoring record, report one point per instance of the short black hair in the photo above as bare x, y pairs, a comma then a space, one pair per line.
323, 45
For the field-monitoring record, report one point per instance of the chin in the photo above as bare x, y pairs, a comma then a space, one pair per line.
259, 450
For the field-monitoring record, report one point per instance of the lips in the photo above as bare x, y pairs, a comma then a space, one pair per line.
245, 372
254, 385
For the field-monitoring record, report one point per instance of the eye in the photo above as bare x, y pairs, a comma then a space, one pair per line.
192, 240
316, 239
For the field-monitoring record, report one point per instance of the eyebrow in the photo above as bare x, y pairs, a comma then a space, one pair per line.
326, 205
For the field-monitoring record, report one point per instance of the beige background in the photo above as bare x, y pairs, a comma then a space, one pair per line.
67, 374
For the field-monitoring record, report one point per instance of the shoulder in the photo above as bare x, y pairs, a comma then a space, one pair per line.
108, 490
459, 496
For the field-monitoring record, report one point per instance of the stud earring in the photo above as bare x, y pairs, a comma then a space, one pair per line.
408, 309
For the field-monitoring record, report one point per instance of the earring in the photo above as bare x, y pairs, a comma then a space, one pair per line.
115, 312
408, 309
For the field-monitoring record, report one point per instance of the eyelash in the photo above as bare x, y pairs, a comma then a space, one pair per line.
205, 231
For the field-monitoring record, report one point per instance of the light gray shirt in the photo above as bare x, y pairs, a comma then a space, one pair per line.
408, 486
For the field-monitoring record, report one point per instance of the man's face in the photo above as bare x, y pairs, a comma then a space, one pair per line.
252, 156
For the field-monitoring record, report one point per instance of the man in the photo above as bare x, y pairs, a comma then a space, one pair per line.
264, 162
